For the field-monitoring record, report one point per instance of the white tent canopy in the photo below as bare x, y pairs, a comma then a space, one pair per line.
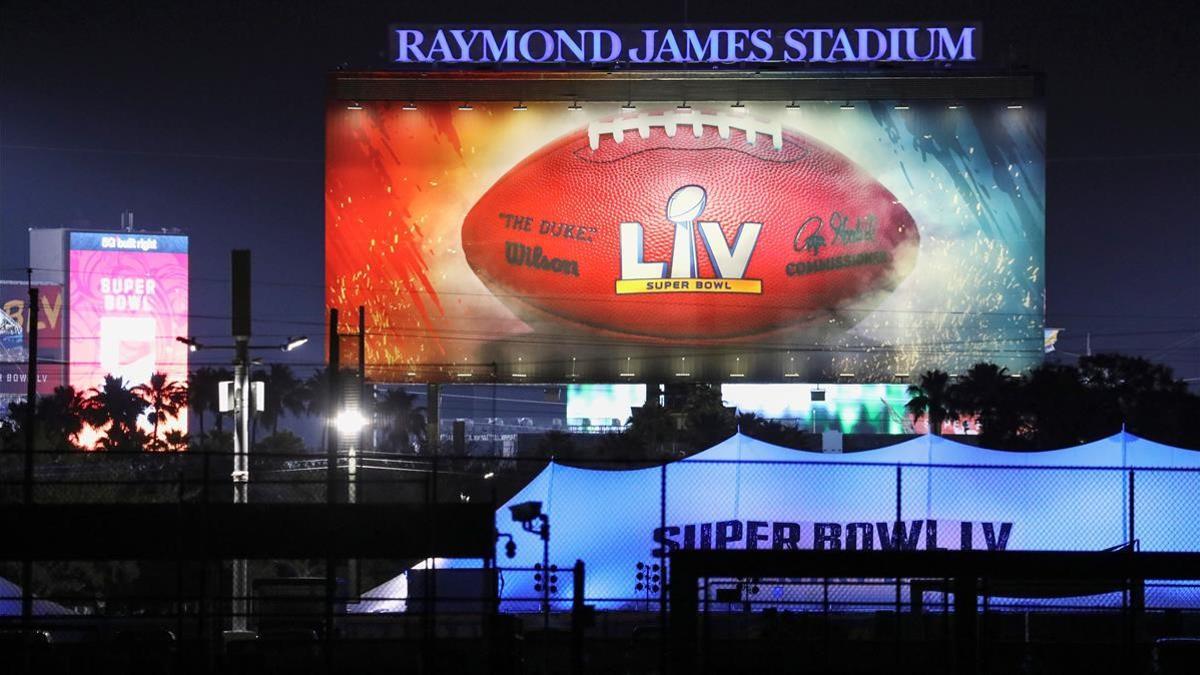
744, 493
10, 602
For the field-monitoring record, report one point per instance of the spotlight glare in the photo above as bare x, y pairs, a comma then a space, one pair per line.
350, 421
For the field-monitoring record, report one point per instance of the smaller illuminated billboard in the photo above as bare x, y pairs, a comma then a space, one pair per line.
128, 302
844, 407
603, 405
14, 337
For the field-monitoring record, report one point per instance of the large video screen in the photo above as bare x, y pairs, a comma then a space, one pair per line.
752, 242
128, 303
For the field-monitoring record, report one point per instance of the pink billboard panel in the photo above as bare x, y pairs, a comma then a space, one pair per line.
128, 303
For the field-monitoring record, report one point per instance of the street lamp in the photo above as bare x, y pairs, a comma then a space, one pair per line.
241, 405
192, 345
294, 342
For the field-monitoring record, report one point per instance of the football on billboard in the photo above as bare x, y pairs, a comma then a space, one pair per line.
708, 227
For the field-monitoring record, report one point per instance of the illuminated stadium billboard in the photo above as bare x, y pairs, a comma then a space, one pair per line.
760, 241
128, 302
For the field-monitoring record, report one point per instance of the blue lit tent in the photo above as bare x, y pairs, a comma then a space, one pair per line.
746, 493
10, 602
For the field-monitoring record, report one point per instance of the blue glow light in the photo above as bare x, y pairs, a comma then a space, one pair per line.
745, 492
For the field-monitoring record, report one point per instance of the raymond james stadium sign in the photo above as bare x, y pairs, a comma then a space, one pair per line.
666, 45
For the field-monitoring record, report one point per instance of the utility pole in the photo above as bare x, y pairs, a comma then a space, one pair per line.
31, 376
333, 405
358, 441
241, 416
243, 406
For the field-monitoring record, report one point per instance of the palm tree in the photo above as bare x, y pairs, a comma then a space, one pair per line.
165, 398
402, 420
988, 392
62, 414
932, 396
176, 440
285, 394
202, 392
316, 393
651, 426
115, 409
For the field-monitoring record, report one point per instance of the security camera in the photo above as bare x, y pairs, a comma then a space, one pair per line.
526, 512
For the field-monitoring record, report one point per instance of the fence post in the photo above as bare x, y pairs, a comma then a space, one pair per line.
579, 618
896, 526
662, 593
1132, 511
1137, 595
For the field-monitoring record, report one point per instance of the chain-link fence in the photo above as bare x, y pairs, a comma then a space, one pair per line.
612, 527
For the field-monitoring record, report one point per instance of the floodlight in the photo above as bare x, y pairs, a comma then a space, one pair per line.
350, 421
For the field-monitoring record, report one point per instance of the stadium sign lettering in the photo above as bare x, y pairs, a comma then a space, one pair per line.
902, 535
675, 45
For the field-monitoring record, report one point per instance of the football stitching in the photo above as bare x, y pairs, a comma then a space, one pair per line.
579, 153
697, 121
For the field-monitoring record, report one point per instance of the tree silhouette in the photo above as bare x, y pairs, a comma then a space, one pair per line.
60, 418
176, 440
1058, 410
285, 395
202, 393
1145, 397
774, 432
989, 393
931, 397
402, 422
114, 409
651, 427
165, 399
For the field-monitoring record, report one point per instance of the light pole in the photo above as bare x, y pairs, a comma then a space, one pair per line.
242, 406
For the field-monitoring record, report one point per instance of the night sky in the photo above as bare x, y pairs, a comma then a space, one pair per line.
209, 117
